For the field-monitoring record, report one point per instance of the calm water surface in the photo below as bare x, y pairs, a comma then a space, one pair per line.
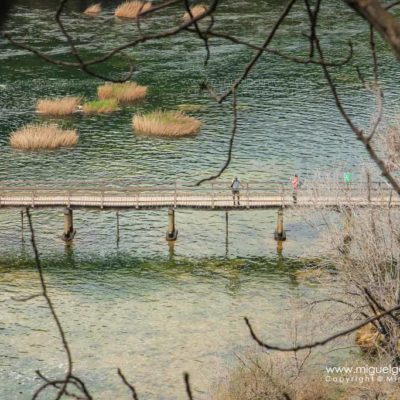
152, 310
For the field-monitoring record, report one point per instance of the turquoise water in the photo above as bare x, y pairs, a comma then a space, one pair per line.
138, 304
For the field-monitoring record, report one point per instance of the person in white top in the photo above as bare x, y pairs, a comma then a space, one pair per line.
235, 185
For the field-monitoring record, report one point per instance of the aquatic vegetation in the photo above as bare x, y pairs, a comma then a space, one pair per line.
196, 11
131, 9
166, 123
123, 92
186, 107
58, 107
93, 9
100, 106
48, 136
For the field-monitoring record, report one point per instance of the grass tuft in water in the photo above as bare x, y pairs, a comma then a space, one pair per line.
40, 137
93, 9
100, 106
196, 11
166, 123
123, 92
58, 107
131, 9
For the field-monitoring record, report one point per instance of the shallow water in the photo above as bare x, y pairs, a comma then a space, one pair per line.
154, 319
138, 304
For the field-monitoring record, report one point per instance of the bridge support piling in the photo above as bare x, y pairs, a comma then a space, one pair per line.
172, 233
280, 233
69, 231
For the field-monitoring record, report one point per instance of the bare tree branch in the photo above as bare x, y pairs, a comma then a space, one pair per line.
318, 342
231, 142
186, 378
259, 53
384, 23
131, 387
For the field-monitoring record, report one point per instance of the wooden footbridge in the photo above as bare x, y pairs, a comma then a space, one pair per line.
215, 196
264, 195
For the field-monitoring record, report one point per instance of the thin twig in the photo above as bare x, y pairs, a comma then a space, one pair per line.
52, 310
231, 142
130, 386
186, 378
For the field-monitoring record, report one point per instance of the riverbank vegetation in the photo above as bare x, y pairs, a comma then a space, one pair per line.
362, 243
100, 106
132, 9
297, 376
261, 376
43, 137
94, 9
58, 107
123, 92
166, 123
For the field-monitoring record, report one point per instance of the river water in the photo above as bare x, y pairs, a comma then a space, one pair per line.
153, 310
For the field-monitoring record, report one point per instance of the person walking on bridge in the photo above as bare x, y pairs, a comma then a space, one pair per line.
347, 179
235, 185
295, 186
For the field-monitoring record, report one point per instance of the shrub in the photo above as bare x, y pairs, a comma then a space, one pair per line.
58, 107
36, 137
93, 9
166, 123
123, 92
274, 377
100, 106
131, 9
196, 12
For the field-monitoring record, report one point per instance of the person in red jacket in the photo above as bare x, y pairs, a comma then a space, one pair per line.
295, 186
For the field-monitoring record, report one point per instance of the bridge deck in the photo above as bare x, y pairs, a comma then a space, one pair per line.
251, 197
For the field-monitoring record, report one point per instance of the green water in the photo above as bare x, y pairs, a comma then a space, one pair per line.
138, 304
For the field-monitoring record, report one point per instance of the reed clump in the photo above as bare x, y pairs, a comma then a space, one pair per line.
94, 9
43, 137
132, 9
100, 106
58, 107
196, 11
123, 92
166, 123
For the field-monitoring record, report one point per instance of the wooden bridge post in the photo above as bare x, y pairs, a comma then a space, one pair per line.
69, 231
172, 233
226, 233
117, 215
280, 233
